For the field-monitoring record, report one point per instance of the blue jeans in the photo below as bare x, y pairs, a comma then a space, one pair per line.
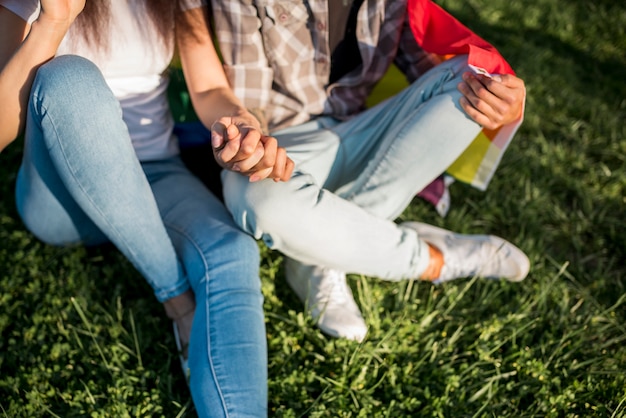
81, 182
353, 178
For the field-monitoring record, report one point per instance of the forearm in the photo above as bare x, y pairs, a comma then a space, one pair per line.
18, 71
219, 102
209, 89
236, 135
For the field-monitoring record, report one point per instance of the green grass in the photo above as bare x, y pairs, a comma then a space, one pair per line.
81, 334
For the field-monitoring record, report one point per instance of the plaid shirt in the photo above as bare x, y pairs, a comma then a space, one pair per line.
277, 58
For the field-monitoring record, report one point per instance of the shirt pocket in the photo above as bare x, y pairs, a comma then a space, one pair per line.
286, 33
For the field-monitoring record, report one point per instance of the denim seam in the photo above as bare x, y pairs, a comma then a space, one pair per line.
206, 301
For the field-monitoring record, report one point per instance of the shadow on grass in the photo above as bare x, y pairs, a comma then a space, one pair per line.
571, 147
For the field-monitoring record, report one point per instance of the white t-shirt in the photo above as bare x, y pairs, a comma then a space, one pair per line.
134, 66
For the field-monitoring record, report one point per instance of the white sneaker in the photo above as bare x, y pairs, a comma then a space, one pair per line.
474, 255
328, 298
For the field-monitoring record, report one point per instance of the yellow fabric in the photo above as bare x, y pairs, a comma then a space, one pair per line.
468, 164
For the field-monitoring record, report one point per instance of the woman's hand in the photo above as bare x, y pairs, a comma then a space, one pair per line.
238, 147
492, 101
60, 12
23, 49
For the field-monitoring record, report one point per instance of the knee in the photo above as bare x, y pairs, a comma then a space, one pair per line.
67, 72
71, 81
254, 205
266, 208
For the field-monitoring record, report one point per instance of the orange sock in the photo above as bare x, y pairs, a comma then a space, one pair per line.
433, 271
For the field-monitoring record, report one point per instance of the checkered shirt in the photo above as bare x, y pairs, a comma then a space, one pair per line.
277, 58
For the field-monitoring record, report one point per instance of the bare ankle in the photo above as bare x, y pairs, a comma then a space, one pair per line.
181, 310
180, 306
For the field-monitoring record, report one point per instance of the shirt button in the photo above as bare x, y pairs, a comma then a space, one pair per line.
321, 25
283, 17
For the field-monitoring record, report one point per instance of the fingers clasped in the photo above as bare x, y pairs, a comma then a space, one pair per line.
245, 150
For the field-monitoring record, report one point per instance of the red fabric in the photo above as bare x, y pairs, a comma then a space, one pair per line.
438, 32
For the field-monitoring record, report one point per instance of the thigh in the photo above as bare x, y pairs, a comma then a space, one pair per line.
363, 132
44, 203
336, 153
406, 142
362, 135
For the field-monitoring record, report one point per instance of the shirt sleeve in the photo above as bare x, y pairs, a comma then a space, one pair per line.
26, 9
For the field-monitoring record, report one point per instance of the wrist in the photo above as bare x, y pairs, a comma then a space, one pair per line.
259, 115
49, 30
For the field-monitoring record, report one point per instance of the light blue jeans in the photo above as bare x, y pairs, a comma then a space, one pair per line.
353, 178
81, 182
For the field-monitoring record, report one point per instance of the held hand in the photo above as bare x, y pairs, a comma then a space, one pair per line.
60, 12
246, 150
280, 167
492, 102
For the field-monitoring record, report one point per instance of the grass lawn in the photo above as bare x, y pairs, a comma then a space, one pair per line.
82, 335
